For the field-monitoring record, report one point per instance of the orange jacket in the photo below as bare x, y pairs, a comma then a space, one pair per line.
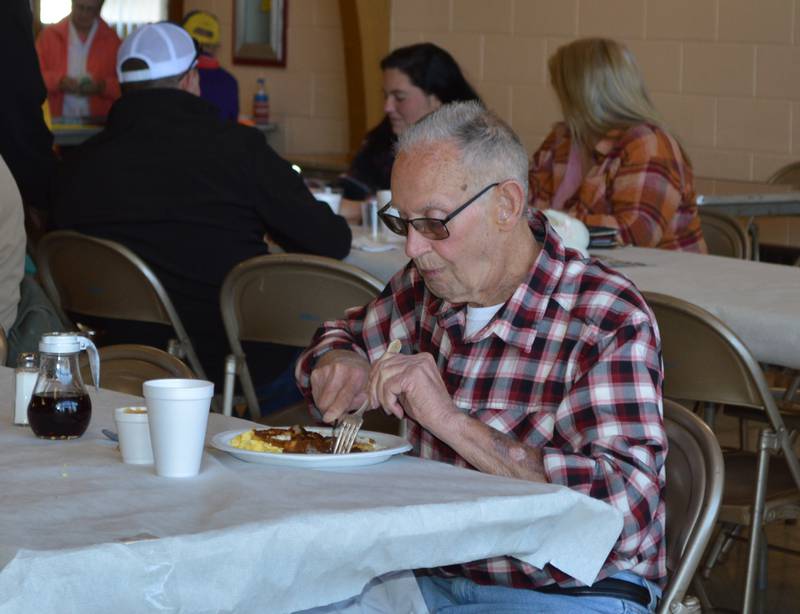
52, 45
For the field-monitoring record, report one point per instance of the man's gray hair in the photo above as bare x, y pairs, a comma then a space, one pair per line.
490, 149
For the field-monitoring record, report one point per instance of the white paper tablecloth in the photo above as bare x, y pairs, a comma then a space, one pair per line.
759, 301
82, 532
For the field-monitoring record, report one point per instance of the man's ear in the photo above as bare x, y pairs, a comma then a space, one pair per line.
190, 82
511, 204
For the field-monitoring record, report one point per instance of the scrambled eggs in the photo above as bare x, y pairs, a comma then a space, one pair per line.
247, 441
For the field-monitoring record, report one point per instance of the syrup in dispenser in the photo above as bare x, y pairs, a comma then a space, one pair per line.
60, 407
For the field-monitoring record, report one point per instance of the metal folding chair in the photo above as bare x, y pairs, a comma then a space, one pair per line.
125, 367
695, 477
284, 298
96, 277
705, 361
724, 236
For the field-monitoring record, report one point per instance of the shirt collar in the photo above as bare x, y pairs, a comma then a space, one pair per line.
604, 146
517, 320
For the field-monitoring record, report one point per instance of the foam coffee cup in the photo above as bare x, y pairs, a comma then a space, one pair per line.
178, 418
133, 429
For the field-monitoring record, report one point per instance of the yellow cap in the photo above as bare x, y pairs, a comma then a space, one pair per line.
203, 27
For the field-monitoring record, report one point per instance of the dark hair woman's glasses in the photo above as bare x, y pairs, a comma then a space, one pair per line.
428, 227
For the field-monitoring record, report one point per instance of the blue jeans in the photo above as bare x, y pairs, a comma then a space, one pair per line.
280, 392
462, 596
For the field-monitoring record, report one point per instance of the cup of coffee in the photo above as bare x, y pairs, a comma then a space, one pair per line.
134, 435
178, 417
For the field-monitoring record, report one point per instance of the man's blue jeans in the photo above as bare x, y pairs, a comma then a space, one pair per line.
462, 596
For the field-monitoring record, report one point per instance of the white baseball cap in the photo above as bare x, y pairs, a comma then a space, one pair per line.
166, 48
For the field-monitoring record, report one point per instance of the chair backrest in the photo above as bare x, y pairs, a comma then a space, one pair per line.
97, 277
723, 235
695, 478
284, 298
3, 346
787, 175
125, 367
704, 360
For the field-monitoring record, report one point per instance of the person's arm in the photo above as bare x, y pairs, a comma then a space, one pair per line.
48, 48
107, 85
645, 191
294, 219
609, 421
333, 371
413, 386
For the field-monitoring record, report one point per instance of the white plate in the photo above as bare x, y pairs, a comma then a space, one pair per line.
390, 445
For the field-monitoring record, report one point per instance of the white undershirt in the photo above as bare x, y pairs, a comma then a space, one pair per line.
478, 317
77, 54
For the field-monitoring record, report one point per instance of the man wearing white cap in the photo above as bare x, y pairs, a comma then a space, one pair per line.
190, 193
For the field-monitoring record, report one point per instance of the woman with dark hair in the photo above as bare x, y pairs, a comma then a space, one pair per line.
417, 80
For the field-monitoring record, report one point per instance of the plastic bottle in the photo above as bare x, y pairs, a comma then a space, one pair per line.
261, 104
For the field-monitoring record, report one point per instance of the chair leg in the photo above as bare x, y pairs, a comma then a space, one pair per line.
743, 439
721, 546
230, 380
249, 390
699, 589
710, 414
762, 562
726, 547
767, 442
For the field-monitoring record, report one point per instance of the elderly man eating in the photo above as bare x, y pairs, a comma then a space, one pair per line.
520, 358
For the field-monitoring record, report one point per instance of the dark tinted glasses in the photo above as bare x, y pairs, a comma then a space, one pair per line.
428, 227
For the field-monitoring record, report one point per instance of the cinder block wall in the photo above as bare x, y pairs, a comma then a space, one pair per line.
308, 98
725, 74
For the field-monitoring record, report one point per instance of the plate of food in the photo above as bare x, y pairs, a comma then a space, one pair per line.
298, 446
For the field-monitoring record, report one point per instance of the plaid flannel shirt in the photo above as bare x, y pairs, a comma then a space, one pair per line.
639, 183
570, 365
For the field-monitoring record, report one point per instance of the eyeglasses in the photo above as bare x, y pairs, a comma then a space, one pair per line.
428, 227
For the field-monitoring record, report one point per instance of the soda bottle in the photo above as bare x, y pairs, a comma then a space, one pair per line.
261, 104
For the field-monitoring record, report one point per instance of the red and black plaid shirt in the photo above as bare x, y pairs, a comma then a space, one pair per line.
570, 364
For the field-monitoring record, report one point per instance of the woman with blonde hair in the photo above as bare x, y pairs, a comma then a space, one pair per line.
611, 162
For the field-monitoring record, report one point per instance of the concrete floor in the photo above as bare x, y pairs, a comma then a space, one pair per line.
725, 587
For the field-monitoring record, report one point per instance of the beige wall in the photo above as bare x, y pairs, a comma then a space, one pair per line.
308, 98
725, 74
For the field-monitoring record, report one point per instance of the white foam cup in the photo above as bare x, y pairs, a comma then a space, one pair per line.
178, 410
333, 199
133, 429
384, 198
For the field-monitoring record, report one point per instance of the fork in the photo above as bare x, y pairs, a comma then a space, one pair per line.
351, 423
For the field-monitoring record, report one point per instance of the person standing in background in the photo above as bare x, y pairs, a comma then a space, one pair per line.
217, 85
78, 58
611, 162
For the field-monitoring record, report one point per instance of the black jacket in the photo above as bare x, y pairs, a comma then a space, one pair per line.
193, 195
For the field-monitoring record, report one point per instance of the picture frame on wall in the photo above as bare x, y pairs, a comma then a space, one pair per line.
259, 32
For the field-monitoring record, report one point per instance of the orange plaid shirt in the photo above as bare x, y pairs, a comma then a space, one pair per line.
639, 183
